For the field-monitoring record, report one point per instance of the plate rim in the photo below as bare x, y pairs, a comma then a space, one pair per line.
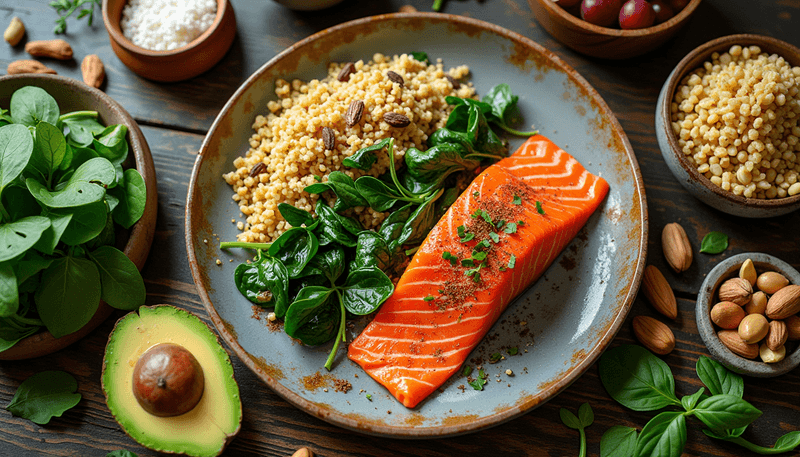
376, 428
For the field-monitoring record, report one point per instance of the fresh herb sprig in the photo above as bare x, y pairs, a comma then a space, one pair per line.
45, 395
584, 419
65, 9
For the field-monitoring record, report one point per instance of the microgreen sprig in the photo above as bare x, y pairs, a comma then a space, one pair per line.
65, 9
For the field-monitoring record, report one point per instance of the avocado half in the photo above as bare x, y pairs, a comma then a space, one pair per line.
217, 417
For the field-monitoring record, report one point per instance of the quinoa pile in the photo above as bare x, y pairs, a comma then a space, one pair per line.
289, 140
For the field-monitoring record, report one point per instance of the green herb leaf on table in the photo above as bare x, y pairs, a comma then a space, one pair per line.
637, 379
663, 436
584, 419
719, 379
121, 283
569, 419
714, 243
68, 294
690, 401
65, 9
45, 395
618, 441
720, 412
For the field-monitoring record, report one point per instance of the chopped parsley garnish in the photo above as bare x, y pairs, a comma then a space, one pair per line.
476, 214
517, 200
476, 194
464, 235
513, 350
494, 358
428, 298
369, 397
486, 217
480, 382
483, 244
447, 256
467, 237
475, 273
468, 263
520, 222
512, 261
539, 207
500, 223
467, 370
495, 237
479, 255
511, 228
502, 268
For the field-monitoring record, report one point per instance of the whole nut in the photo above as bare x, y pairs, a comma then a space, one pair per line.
753, 328
93, 71
771, 282
727, 314
731, 340
736, 290
396, 78
328, 138
354, 113
344, 74
28, 66
396, 119
303, 452
407, 9
658, 292
758, 304
653, 334
676, 247
784, 303
15, 31
771, 356
792, 327
777, 335
748, 272
55, 49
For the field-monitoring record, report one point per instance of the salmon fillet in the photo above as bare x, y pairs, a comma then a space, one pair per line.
441, 308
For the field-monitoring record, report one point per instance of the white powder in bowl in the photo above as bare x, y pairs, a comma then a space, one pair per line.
164, 25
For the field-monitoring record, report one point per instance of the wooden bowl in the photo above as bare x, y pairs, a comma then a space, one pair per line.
684, 169
73, 95
604, 42
178, 64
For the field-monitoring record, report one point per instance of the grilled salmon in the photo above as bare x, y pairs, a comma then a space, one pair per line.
498, 237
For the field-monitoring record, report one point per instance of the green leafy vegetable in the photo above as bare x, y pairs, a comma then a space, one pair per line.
65, 9
663, 436
132, 196
480, 381
264, 282
19, 236
539, 207
422, 56
45, 395
618, 441
68, 295
121, 453
16, 147
121, 284
714, 243
31, 105
637, 379
584, 419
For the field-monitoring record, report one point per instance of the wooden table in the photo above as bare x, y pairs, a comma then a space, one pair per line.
174, 118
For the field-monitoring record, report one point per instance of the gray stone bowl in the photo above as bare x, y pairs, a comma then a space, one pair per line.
682, 167
729, 268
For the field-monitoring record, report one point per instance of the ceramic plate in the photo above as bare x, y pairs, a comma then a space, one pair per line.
561, 324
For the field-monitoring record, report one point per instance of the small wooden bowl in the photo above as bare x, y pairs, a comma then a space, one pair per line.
73, 95
684, 169
178, 64
604, 42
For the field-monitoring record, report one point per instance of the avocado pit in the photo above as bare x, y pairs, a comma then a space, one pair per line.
168, 380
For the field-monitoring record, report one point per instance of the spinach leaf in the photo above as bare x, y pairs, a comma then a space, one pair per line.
329, 263
378, 195
347, 195
373, 251
83, 126
121, 284
264, 282
718, 379
18, 202
435, 164
294, 249
111, 143
31, 105
45, 395
49, 148
17, 237
365, 290
459, 140
5, 118
714, 243
504, 106
52, 235
364, 158
636, 378
9, 294
392, 226
296, 217
68, 295
419, 224
334, 227
84, 186
86, 223
16, 147
313, 307
11, 334
132, 197
29, 265
618, 441
663, 436
421, 56
690, 401
724, 411
106, 236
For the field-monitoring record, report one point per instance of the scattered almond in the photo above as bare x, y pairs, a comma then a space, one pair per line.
736, 290
93, 71
784, 303
28, 66
777, 335
757, 304
676, 247
731, 340
55, 49
658, 292
14, 32
407, 9
753, 328
792, 327
303, 452
653, 334
771, 281
727, 315
771, 356
748, 272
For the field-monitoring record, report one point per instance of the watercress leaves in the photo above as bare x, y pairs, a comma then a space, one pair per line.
637, 379
31, 105
714, 243
17, 237
45, 395
618, 441
663, 436
16, 147
68, 295
121, 284
365, 290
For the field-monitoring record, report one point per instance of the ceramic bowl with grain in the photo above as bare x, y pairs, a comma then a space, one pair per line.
179, 64
683, 167
605, 42
72, 95
709, 296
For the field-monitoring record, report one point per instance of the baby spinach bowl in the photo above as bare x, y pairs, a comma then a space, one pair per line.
71, 96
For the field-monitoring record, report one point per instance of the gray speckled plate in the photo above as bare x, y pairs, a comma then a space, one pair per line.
560, 325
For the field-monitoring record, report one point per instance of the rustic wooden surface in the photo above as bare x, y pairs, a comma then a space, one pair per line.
176, 116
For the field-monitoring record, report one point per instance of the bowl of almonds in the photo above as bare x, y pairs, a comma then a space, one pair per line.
748, 314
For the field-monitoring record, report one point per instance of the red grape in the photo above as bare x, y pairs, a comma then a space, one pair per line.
663, 11
600, 12
566, 3
636, 14
678, 5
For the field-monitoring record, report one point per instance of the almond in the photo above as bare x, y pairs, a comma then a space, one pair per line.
771, 356
748, 272
793, 327
28, 66
771, 282
658, 292
93, 71
303, 452
784, 303
758, 304
736, 290
14, 32
777, 335
654, 334
731, 340
753, 328
676, 247
727, 315
55, 49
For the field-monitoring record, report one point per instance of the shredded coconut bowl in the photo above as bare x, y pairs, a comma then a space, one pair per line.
184, 55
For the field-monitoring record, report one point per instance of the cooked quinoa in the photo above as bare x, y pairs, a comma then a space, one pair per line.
289, 142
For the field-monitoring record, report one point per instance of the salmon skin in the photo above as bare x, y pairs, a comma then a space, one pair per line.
444, 304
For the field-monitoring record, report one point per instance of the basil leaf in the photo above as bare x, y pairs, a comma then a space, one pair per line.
265, 283
788, 442
82, 187
714, 243
16, 147
49, 148
377, 194
663, 436
31, 105
725, 434
724, 411
9, 294
121, 283
86, 223
586, 415
68, 295
365, 290
294, 249
17, 237
363, 159
690, 401
637, 379
618, 441
52, 235
45, 395
313, 317
719, 379
296, 217
569, 419
132, 196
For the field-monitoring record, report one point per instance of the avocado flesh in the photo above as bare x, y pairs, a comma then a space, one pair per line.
209, 426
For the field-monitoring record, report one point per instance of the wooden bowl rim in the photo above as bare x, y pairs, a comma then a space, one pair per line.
692, 61
115, 31
554, 9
